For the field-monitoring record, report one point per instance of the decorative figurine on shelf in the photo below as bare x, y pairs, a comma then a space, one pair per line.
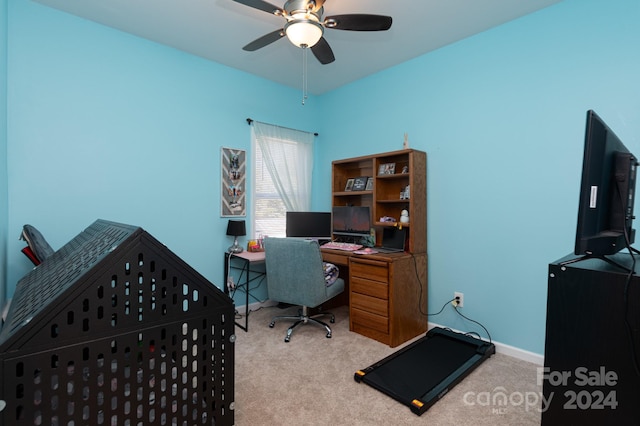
405, 193
404, 216
405, 144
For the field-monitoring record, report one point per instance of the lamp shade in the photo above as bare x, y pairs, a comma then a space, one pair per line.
303, 32
236, 228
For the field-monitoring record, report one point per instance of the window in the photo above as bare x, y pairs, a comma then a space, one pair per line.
283, 166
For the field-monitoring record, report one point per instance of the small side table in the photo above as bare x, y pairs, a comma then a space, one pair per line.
246, 261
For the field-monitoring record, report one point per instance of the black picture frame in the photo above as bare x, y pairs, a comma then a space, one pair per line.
360, 183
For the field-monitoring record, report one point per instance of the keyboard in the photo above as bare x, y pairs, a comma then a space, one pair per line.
342, 246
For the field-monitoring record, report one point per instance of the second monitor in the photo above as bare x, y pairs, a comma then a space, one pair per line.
311, 225
351, 220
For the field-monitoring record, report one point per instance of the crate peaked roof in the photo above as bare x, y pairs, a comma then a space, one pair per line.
109, 279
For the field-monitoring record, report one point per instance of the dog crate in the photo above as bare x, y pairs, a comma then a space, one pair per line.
115, 329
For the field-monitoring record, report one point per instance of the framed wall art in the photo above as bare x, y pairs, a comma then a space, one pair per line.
233, 179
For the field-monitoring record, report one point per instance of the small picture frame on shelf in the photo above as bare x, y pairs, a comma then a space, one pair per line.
349, 185
369, 186
360, 183
387, 169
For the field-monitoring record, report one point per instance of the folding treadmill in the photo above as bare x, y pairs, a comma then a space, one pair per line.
421, 373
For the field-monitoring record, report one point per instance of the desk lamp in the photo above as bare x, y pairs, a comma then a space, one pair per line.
236, 228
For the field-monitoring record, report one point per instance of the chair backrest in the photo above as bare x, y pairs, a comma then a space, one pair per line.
295, 273
38, 247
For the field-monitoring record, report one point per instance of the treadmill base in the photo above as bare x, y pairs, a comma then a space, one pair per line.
421, 373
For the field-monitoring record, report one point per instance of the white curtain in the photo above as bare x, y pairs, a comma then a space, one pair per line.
288, 157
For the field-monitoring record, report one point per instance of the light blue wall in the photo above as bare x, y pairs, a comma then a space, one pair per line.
501, 116
106, 125
102, 124
3, 151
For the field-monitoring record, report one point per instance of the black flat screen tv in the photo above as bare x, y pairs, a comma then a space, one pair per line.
607, 192
310, 225
351, 220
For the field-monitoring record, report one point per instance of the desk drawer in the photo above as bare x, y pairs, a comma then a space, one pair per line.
370, 304
369, 320
336, 259
371, 288
370, 269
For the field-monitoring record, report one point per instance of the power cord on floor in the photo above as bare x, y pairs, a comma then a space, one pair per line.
474, 321
465, 317
238, 315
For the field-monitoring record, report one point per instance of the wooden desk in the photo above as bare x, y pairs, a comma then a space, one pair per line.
253, 263
387, 293
247, 260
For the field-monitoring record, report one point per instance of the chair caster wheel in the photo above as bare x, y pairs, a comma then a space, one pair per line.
286, 339
273, 323
328, 335
332, 320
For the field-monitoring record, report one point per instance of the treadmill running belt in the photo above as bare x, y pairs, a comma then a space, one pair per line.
422, 372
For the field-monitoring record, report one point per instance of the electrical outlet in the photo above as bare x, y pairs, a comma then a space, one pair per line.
459, 302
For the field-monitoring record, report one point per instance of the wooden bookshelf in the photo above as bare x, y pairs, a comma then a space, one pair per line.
387, 293
384, 197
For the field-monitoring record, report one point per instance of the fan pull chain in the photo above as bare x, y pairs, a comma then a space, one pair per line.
304, 73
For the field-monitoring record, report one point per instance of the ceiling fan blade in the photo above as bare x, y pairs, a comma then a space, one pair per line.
264, 40
262, 5
358, 22
322, 51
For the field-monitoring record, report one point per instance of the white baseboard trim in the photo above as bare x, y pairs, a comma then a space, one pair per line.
255, 306
505, 349
522, 354
501, 348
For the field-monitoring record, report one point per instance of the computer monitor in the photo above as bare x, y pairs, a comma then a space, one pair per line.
310, 225
351, 220
607, 192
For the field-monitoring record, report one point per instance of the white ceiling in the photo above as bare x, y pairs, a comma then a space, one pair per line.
218, 29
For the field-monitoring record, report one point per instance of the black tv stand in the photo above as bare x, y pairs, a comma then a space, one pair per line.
594, 335
601, 257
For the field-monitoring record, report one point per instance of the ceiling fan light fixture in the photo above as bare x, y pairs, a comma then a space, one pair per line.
303, 32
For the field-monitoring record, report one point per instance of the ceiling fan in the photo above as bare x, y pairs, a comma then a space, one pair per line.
305, 25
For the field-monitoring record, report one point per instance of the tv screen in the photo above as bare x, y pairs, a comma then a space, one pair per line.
351, 220
607, 192
314, 225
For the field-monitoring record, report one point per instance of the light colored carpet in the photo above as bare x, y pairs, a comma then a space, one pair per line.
309, 381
